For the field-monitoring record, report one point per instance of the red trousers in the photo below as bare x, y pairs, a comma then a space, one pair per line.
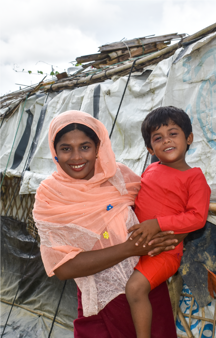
115, 321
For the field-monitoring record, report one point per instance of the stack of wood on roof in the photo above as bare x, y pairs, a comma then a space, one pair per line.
117, 52
115, 59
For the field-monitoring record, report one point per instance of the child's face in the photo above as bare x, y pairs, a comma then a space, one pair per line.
169, 144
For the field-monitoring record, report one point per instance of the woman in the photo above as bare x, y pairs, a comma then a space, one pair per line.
82, 213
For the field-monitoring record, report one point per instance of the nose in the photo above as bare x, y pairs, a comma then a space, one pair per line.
76, 155
166, 139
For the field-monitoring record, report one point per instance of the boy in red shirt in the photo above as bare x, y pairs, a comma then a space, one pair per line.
173, 196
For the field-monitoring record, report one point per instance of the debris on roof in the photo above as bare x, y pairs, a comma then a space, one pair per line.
137, 53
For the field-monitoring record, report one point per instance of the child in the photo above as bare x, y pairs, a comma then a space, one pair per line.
173, 196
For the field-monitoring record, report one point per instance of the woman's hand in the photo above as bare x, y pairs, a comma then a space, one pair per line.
91, 262
164, 241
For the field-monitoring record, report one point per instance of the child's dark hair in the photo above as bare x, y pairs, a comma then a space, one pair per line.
77, 126
161, 117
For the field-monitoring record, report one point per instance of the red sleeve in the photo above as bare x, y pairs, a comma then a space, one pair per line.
196, 210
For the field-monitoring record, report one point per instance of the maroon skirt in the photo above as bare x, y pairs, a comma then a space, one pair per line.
115, 321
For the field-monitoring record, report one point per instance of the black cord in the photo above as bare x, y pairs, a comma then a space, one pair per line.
50, 88
105, 75
113, 126
91, 77
57, 309
46, 98
146, 160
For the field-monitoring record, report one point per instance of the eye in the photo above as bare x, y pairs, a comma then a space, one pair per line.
85, 147
157, 138
65, 149
173, 134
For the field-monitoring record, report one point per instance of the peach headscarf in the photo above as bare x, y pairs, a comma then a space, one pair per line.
71, 214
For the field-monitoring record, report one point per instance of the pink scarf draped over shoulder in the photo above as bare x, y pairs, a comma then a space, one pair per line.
71, 214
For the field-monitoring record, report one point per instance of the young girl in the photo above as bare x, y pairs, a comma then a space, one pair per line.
173, 196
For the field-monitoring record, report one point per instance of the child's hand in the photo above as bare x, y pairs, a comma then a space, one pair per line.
146, 230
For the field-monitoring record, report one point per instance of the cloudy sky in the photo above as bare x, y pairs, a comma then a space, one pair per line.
36, 35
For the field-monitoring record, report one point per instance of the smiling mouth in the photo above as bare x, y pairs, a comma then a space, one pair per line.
77, 166
168, 149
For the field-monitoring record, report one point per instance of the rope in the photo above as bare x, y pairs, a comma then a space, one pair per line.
113, 126
14, 140
57, 309
127, 48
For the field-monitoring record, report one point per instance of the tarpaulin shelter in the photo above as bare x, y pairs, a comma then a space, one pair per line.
182, 75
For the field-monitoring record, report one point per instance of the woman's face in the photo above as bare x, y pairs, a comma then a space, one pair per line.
76, 154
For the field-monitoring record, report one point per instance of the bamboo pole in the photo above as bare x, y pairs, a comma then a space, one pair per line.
212, 207
126, 67
185, 324
111, 72
203, 324
203, 32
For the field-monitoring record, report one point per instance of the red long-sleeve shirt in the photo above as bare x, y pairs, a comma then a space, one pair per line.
178, 199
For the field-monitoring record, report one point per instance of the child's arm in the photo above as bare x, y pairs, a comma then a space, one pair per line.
196, 211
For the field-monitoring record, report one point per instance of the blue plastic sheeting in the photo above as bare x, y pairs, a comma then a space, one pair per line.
197, 325
200, 255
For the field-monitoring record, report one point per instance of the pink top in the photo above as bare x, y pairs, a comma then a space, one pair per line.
178, 199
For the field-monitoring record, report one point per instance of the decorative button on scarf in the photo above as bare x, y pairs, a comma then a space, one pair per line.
106, 235
109, 207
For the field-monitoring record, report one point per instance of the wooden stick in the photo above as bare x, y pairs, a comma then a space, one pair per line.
185, 324
214, 322
209, 320
191, 309
212, 207
121, 55
91, 57
203, 324
139, 42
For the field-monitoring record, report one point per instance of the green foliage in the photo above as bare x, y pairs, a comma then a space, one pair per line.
40, 72
78, 64
29, 71
54, 73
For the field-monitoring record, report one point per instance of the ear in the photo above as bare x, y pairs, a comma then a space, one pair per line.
97, 148
150, 150
190, 139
